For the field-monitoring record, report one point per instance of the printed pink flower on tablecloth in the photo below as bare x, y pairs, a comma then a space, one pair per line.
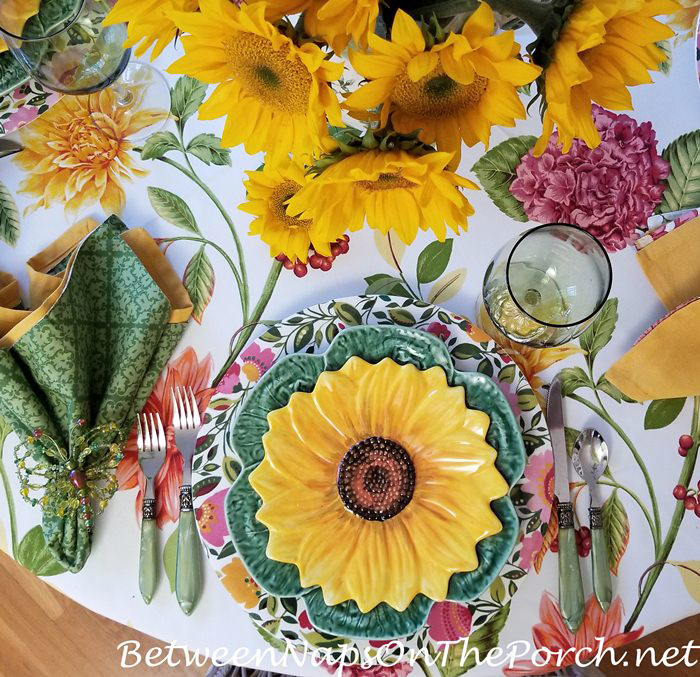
398, 670
551, 633
449, 622
610, 191
188, 371
539, 482
256, 361
439, 330
211, 519
531, 545
230, 379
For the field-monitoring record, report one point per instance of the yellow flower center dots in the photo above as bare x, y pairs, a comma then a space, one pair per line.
376, 479
278, 204
386, 181
269, 74
436, 95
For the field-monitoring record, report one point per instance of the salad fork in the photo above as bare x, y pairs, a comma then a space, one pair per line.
151, 445
188, 575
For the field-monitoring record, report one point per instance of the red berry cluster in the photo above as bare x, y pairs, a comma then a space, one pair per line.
583, 542
690, 497
316, 261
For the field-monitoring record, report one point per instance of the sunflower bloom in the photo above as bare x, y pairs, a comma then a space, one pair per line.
268, 191
604, 47
336, 22
381, 456
391, 190
453, 92
148, 22
69, 160
276, 95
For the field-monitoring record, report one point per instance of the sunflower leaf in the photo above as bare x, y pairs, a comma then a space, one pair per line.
496, 171
207, 147
172, 208
199, 281
9, 217
186, 97
683, 182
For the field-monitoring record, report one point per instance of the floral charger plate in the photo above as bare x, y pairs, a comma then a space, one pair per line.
285, 618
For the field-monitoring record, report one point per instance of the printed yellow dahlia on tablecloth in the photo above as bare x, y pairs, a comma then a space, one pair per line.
276, 95
454, 91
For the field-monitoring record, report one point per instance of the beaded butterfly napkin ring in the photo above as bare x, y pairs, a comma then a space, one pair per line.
81, 478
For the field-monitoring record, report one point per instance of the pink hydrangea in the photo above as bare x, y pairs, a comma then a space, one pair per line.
610, 191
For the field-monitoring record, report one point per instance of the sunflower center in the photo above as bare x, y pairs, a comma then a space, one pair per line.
278, 205
376, 478
437, 95
268, 74
386, 181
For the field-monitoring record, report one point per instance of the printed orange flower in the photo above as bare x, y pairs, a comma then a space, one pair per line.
532, 361
188, 371
239, 583
552, 634
70, 161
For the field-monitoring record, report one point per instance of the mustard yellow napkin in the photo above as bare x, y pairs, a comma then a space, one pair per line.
664, 363
15, 14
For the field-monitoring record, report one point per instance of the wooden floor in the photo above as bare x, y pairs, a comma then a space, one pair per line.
75, 642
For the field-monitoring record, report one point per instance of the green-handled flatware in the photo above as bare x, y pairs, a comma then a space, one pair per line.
188, 567
571, 600
590, 458
151, 444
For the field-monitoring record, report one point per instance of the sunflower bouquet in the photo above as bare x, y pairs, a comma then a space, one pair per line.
362, 106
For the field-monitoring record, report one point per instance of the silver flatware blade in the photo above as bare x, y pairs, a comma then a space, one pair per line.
555, 422
8, 147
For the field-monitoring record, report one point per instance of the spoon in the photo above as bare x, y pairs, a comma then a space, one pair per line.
590, 458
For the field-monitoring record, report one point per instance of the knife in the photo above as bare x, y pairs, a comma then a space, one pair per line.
8, 147
571, 601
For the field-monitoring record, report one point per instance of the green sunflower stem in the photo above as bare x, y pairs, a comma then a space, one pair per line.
534, 13
254, 320
678, 515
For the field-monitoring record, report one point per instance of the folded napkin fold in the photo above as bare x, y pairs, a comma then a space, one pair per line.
107, 312
664, 362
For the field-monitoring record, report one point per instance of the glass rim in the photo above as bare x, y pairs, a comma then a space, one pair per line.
593, 239
65, 25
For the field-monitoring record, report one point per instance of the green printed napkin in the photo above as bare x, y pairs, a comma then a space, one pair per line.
107, 312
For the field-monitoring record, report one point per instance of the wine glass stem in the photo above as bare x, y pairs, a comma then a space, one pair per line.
124, 95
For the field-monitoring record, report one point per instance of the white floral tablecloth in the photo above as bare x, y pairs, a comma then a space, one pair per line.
643, 514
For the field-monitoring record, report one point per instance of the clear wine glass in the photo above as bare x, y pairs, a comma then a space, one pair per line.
545, 287
67, 49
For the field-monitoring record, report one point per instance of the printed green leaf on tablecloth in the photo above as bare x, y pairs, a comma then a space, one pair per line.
172, 208
617, 530
9, 217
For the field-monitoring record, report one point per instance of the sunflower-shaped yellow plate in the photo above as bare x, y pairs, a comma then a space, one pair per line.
404, 460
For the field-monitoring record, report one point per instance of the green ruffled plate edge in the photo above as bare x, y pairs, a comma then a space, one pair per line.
299, 372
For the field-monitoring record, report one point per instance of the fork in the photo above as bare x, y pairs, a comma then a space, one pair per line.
151, 444
188, 575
